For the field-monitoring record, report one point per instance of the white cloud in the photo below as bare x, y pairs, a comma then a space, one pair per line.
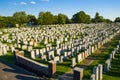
45, 0
23, 3
32, 2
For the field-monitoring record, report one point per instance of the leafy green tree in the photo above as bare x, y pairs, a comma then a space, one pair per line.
108, 21
2, 23
98, 18
48, 18
40, 18
32, 20
117, 19
87, 19
68, 20
62, 19
7, 21
55, 19
21, 17
45, 18
81, 17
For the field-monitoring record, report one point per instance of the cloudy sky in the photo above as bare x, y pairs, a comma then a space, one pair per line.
107, 8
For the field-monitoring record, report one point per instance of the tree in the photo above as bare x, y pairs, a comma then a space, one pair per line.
7, 21
32, 20
81, 17
2, 23
40, 18
21, 17
98, 18
68, 20
48, 18
108, 21
62, 19
45, 18
55, 19
87, 19
117, 19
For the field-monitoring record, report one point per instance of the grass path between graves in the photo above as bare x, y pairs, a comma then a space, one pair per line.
99, 57
114, 73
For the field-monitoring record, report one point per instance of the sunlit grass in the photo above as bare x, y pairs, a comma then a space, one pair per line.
63, 67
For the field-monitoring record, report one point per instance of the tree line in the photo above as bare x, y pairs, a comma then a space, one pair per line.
47, 18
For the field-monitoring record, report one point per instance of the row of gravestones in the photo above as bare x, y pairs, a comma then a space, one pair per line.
5, 48
24, 35
97, 70
97, 73
51, 53
86, 53
66, 53
59, 55
59, 58
111, 56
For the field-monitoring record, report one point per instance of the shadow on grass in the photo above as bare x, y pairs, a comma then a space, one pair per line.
8, 57
114, 73
26, 54
115, 67
88, 72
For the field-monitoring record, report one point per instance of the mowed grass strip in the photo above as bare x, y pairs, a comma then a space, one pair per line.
114, 73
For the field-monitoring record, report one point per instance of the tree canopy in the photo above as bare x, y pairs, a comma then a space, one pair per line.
20, 17
98, 18
117, 19
7, 21
81, 17
62, 19
32, 20
47, 18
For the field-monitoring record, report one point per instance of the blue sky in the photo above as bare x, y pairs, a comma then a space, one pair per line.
107, 8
